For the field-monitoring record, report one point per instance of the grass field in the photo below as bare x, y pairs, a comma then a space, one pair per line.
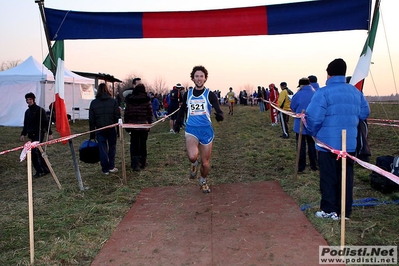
72, 225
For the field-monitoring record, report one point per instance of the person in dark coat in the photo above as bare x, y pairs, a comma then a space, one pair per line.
104, 111
138, 111
299, 103
35, 126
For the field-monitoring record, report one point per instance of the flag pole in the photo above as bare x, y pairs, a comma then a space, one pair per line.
40, 3
53, 70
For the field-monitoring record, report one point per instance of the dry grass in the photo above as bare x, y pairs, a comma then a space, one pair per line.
71, 225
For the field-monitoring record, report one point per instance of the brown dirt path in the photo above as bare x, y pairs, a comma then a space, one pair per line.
237, 224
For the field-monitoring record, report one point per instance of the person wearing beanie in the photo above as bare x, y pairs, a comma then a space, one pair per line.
35, 126
337, 106
284, 101
135, 82
300, 102
313, 82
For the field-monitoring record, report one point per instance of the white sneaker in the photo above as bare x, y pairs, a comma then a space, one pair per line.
331, 215
114, 170
204, 186
171, 131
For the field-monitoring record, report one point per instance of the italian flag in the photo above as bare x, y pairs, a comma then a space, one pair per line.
62, 123
363, 65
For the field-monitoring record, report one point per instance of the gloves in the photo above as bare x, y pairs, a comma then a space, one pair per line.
219, 117
92, 135
176, 127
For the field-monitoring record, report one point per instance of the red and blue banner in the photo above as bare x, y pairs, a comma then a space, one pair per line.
289, 18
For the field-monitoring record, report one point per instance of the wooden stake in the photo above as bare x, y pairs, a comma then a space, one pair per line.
298, 152
44, 155
123, 152
30, 207
343, 189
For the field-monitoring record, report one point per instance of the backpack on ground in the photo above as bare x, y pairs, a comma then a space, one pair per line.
381, 183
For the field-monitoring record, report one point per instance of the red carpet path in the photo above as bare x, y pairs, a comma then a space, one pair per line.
236, 224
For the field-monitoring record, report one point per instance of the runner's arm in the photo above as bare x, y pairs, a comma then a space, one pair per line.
213, 99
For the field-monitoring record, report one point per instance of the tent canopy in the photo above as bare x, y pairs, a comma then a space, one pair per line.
32, 76
32, 70
29, 70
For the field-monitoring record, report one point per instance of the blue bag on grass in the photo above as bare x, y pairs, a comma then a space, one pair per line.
89, 152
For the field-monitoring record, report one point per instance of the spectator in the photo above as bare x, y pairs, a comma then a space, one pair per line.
138, 111
155, 105
313, 82
299, 103
333, 108
35, 126
173, 105
273, 99
136, 81
284, 103
104, 111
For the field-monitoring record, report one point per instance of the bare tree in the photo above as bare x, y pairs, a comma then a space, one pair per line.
159, 86
249, 88
9, 64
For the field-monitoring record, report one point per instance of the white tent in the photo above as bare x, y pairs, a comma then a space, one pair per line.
32, 76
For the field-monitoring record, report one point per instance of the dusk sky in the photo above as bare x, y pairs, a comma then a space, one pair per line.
239, 62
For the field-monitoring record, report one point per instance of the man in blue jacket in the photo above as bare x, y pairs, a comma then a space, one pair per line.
300, 102
333, 108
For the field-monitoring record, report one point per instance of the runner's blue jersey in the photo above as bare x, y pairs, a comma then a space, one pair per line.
199, 109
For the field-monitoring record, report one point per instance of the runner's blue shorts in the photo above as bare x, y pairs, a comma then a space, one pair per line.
204, 135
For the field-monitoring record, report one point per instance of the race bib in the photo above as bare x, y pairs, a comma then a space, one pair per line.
197, 107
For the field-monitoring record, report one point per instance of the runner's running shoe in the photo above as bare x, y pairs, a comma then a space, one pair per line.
204, 186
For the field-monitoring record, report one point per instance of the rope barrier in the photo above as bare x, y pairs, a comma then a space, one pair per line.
340, 154
31, 145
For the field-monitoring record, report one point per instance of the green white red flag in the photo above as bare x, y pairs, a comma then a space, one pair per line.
363, 65
62, 123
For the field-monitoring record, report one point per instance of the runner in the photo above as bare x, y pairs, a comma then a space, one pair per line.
231, 98
199, 132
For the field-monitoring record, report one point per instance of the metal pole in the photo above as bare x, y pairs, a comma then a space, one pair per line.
54, 69
51, 54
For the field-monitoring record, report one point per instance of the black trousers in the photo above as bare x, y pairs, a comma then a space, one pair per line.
306, 140
284, 123
37, 160
330, 183
138, 143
